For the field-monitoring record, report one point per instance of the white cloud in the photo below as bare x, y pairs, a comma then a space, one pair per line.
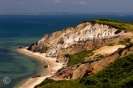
82, 1
61, 1
52, 1
58, 1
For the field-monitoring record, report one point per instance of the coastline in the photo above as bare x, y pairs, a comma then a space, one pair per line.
53, 67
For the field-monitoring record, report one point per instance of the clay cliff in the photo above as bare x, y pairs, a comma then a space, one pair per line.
92, 66
103, 44
85, 36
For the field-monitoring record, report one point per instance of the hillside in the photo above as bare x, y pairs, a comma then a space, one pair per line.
117, 75
95, 54
85, 36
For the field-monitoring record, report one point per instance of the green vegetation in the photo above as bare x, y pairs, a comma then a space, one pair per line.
49, 83
123, 42
77, 58
126, 41
117, 75
128, 45
128, 26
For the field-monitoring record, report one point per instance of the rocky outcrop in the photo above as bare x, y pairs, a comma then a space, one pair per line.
86, 36
90, 67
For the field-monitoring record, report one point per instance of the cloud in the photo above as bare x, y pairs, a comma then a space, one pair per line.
58, 1
53, 1
81, 2
62, 1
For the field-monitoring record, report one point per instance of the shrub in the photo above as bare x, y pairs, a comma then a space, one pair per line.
117, 75
77, 58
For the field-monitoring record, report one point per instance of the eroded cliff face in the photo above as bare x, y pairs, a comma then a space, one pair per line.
92, 66
86, 36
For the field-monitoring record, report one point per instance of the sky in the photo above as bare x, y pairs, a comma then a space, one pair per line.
75, 6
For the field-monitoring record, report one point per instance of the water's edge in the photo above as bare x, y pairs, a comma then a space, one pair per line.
38, 71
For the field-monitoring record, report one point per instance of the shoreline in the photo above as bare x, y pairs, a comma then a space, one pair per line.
53, 67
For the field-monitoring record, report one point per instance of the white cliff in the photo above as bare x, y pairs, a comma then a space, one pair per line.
71, 36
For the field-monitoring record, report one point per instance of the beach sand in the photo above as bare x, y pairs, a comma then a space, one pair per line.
53, 67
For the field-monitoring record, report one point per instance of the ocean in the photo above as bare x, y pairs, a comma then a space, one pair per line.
23, 30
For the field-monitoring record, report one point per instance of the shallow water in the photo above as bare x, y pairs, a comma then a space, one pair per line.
16, 31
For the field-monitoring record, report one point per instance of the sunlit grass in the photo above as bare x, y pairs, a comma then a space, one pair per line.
128, 26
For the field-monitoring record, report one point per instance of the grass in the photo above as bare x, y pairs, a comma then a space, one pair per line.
78, 58
128, 26
117, 75
126, 41
60, 84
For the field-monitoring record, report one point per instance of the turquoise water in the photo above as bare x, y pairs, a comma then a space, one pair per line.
16, 31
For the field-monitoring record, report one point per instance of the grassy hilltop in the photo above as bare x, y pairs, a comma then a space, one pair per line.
128, 26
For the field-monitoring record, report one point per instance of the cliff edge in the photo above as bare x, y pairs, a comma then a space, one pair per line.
85, 36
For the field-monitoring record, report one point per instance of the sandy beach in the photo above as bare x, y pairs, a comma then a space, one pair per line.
53, 66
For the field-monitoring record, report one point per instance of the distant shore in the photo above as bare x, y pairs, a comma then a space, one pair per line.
53, 67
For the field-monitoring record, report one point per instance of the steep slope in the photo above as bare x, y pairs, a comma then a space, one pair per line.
85, 50
92, 66
117, 75
86, 36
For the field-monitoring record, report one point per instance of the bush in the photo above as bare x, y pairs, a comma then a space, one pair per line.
77, 58
117, 75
